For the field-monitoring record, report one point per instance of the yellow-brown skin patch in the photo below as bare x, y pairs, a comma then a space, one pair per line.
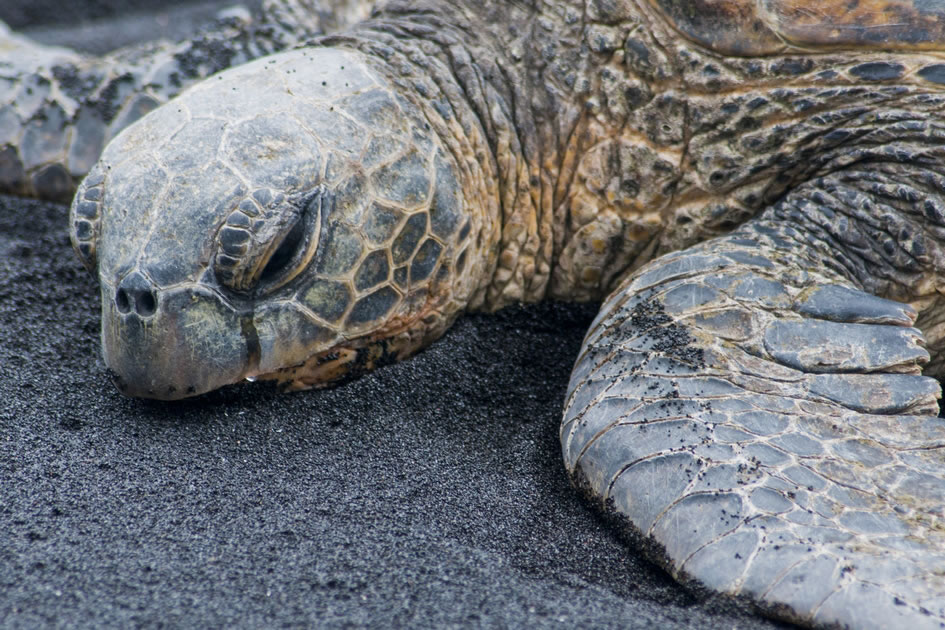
640, 150
888, 24
666, 133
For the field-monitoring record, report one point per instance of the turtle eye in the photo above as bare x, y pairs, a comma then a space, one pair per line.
267, 240
284, 253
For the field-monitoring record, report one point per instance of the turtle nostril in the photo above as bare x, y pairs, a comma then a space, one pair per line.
146, 303
122, 301
136, 295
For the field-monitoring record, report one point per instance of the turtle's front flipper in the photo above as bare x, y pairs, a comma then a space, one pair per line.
764, 427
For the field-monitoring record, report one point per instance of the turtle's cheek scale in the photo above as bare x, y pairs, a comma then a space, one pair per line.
173, 343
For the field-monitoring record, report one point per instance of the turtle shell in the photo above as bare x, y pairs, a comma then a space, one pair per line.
764, 27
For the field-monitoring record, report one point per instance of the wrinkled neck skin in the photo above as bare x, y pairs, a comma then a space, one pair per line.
606, 137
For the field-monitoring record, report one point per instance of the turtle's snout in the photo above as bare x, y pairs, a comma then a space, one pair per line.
136, 294
172, 342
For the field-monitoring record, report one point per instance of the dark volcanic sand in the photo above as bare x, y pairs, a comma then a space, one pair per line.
430, 493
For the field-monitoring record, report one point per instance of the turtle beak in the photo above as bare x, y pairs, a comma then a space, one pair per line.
173, 343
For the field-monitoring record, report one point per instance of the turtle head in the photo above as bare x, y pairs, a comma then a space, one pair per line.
290, 219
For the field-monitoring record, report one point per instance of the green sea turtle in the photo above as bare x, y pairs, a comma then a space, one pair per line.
747, 185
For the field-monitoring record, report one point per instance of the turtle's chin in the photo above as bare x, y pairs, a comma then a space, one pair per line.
190, 344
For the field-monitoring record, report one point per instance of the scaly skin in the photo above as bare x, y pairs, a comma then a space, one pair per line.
633, 141
751, 183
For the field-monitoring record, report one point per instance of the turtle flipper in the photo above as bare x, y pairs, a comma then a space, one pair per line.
768, 432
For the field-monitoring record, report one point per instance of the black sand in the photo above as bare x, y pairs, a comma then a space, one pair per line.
430, 493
